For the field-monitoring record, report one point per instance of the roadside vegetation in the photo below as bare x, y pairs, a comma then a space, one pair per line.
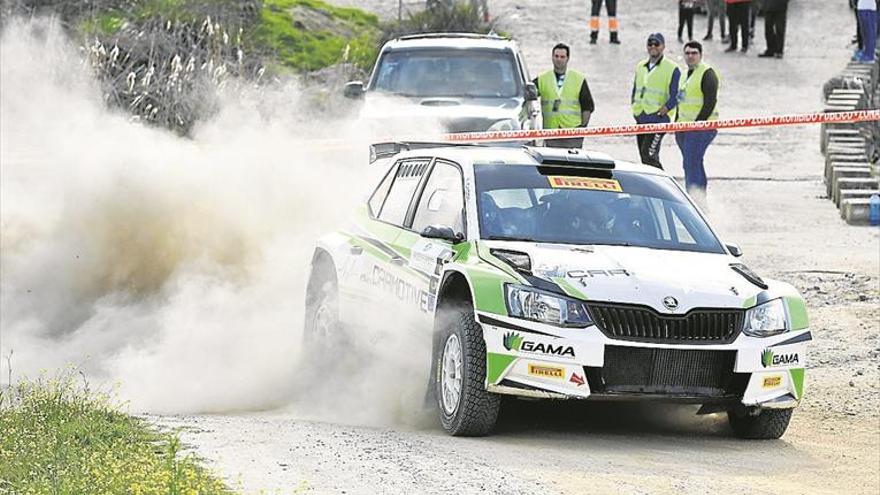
59, 437
164, 61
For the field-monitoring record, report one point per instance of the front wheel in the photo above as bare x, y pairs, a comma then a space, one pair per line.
466, 408
766, 424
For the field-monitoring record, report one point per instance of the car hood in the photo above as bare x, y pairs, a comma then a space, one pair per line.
453, 114
636, 275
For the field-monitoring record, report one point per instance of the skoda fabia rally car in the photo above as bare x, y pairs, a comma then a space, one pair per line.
554, 273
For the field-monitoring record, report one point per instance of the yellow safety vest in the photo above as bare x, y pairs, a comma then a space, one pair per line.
567, 112
690, 97
652, 87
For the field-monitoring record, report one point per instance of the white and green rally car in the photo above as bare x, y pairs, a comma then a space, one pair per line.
556, 273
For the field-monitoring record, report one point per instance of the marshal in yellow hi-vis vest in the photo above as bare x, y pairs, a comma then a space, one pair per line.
561, 109
690, 97
652, 87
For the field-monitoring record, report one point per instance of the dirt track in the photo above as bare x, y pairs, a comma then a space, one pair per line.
766, 193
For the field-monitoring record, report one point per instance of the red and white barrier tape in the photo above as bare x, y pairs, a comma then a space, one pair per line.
632, 130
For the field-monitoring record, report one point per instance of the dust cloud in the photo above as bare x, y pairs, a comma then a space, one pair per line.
173, 267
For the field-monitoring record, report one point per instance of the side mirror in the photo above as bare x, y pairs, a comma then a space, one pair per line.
531, 92
354, 89
442, 232
734, 249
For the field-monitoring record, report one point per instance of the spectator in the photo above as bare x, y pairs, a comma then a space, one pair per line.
716, 8
857, 39
867, 11
697, 101
654, 96
566, 101
738, 15
774, 27
686, 16
611, 10
756, 8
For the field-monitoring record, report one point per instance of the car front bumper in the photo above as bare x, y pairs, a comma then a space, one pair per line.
536, 360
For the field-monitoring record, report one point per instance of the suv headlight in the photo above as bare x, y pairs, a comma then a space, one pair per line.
536, 305
766, 319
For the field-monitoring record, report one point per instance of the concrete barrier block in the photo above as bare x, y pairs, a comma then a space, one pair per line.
840, 136
830, 166
856, 158
849, 179
845, 194
855, 211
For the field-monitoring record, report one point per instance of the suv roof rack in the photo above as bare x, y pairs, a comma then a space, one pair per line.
391, 148
571, 157
490, 36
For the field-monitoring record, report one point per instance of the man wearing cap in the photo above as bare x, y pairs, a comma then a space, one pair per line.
566, 100
697, 101
654, 96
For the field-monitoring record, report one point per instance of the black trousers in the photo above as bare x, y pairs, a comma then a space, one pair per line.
738, 17
774, 31
610, 7
686, 16
649, 148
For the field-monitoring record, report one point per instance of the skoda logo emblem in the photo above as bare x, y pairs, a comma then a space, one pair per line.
670, 302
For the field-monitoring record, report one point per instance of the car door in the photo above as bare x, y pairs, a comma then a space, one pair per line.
440, 203
381, 260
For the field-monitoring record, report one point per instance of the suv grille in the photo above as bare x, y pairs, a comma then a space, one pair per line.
643, 324
670, 372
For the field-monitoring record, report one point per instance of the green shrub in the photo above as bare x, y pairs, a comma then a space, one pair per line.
311, 34
58, 437
441, 17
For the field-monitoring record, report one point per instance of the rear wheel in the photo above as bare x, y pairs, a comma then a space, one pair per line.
763, 424
466, 408
322, 332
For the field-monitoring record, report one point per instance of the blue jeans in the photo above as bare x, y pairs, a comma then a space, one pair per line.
693, 147
868, 29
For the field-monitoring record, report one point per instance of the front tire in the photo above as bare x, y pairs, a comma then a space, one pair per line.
466, 408
767, 424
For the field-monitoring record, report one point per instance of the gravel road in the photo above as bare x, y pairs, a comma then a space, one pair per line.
766, 193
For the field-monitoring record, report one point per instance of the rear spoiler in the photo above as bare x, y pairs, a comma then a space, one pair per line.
391, 148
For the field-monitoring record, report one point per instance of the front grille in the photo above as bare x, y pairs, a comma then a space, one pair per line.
670, 372
643, 324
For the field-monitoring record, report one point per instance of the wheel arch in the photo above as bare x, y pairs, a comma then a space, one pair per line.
455, 290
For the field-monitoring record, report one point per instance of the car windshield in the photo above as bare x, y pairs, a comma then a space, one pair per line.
571, 206
451, 72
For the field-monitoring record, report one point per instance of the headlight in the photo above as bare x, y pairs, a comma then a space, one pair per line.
766, 319
531, 304
504, 125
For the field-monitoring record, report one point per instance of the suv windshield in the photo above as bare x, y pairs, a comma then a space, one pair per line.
570, 206
450, 72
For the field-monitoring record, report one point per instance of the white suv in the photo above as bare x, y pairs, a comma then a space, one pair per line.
470, 82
